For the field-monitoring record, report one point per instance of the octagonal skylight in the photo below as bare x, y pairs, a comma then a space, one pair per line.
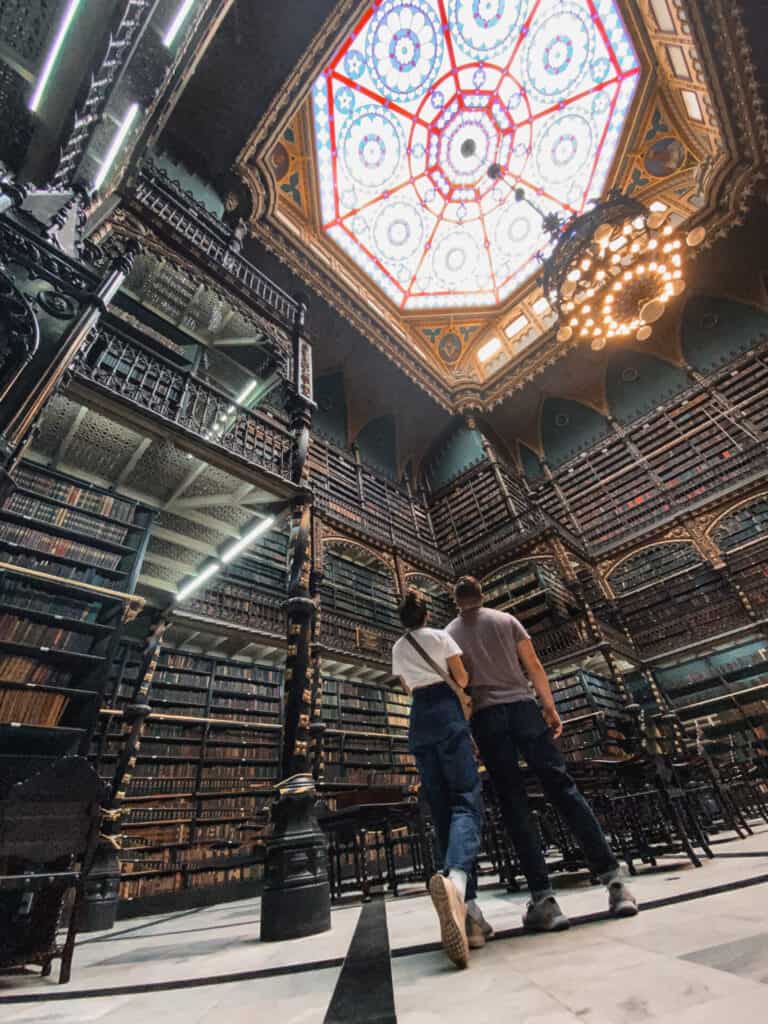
424, 96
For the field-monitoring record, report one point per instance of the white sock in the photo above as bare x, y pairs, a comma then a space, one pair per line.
459, 879
474, 910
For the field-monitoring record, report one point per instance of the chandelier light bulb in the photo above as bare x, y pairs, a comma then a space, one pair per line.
627, 229
616, 258
586, 264
627, 275
638, 223
653, 243
574, 274
667, 230
565, 333
602, 234
600, 275
676, 259
696, 237
677, 275
586, 309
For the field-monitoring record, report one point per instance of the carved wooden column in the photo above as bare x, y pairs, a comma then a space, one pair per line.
296, 899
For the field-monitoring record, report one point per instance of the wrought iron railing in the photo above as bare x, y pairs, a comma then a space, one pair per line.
561, 641
131, 372
192, 223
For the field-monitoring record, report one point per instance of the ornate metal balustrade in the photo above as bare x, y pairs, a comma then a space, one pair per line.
345, 636
126, 370
179, 213
558, 643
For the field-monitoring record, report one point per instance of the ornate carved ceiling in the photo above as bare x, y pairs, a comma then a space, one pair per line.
368, 173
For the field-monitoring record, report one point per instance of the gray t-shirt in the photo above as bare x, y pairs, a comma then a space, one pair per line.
488, 640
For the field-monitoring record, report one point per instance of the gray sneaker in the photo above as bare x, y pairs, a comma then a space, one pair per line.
478, 932
621, 902
545, 916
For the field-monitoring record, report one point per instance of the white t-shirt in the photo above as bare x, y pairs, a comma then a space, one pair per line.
409, 664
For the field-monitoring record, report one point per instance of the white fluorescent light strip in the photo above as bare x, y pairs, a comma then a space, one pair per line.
114, 149
198, 581
53, 54
181, 16
246, 391
249, 538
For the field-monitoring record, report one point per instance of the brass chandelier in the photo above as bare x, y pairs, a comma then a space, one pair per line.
613, 269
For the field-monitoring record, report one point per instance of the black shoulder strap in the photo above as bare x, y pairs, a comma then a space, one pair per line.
444, 675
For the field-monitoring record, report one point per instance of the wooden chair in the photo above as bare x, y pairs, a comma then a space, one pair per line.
49, 827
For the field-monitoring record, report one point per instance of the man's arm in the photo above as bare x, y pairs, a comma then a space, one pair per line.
535, 672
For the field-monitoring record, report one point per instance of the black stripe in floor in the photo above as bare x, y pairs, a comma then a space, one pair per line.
317, 965
364, 992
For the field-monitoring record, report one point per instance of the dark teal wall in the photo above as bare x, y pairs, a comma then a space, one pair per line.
637, 383
377, 442
202, 192
568, 427
529, 460
330, 417
463, 449
715, 331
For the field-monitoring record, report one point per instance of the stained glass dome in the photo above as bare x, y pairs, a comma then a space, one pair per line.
424, 96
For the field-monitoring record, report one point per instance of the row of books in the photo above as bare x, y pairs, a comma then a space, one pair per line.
16, 591
61, 489
31, 539
29, 708
156, 885
17, 630
17, 668
55, 515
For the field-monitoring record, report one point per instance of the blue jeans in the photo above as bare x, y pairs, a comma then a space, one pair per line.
504, 733
440, 739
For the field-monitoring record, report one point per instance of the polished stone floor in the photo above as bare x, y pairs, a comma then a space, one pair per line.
697, 953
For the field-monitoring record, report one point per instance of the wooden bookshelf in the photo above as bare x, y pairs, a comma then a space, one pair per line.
209, 757
366, 736
66, 546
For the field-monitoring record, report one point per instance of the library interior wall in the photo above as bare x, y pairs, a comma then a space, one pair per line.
567, 427
715, 330
377, 442
636, 383
330, 417
463, 449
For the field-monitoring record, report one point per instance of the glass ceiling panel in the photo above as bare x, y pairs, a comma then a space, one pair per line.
425, 95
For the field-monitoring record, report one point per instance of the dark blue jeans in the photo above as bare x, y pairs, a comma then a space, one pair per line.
506, 732
440, 739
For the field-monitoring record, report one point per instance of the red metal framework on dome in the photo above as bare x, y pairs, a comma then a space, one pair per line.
424, 96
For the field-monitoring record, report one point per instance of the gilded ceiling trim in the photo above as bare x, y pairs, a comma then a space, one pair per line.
722, 75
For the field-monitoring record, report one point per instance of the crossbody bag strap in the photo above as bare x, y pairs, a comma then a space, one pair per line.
443, 673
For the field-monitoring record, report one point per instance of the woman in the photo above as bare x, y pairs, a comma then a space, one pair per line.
429, 665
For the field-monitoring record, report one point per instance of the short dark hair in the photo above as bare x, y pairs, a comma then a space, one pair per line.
413, 610
468, 588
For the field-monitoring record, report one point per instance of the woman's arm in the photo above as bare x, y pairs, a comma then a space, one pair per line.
457, 670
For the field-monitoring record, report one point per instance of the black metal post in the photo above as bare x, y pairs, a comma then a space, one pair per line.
296, 899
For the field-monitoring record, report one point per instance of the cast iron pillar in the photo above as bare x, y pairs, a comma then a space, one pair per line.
98, 911
296, 900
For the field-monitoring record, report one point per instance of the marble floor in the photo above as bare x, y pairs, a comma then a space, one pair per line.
698, 952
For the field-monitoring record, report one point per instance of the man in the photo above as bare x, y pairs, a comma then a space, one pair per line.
508, 724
